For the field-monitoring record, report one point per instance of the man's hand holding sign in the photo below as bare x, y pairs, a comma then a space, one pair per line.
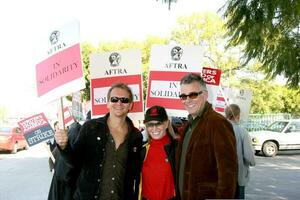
61, 138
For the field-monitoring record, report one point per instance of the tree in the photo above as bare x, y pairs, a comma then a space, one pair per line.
208, 30
269, 97
291, 102
145, 47
169, 2
86, 50
269, 31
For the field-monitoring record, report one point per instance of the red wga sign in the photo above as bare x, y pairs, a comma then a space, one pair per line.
211, 76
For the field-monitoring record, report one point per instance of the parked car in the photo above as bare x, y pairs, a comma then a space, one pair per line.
12, 139
280, 135
253, 126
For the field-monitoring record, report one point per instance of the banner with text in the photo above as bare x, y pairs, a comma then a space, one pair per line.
168, 64
241, 97
77, 106
36, 129
59, 70
212, 78
115, 67
68, 117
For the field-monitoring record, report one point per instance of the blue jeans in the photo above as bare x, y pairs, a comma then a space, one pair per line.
240, 192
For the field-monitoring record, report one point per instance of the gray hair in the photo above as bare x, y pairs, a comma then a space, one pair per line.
193, 77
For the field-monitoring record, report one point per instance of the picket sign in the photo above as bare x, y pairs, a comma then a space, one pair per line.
221, 101
227, 96
61, 121
59, 68
37, 130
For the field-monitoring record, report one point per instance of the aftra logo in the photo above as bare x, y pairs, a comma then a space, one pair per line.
114, 59
176, 53
54, 37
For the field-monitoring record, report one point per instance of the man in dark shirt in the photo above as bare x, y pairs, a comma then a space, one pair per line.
107, 150
113, 170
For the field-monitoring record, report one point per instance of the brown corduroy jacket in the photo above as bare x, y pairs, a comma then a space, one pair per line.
211, 161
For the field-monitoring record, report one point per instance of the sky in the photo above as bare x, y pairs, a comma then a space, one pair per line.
24, 22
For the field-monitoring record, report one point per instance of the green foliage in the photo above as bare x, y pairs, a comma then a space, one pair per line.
269, 97
207, 29
269, 31
86, 50
116, 46
169, 2
291, 100
199, 28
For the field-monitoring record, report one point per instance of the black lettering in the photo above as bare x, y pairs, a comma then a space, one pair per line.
115, 71
101, 100
168, 65
172, 85
176, 66
164, 93
56, 48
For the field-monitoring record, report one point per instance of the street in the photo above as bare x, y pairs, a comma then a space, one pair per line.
275, 178
26, 176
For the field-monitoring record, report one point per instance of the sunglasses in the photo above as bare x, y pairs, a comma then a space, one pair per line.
192, 95
117, 99
151, 125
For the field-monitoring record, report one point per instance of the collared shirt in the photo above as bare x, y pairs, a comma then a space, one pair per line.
186, 140
114, 170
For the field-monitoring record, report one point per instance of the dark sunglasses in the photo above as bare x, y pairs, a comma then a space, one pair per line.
192, 95
151, 125
122, 99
